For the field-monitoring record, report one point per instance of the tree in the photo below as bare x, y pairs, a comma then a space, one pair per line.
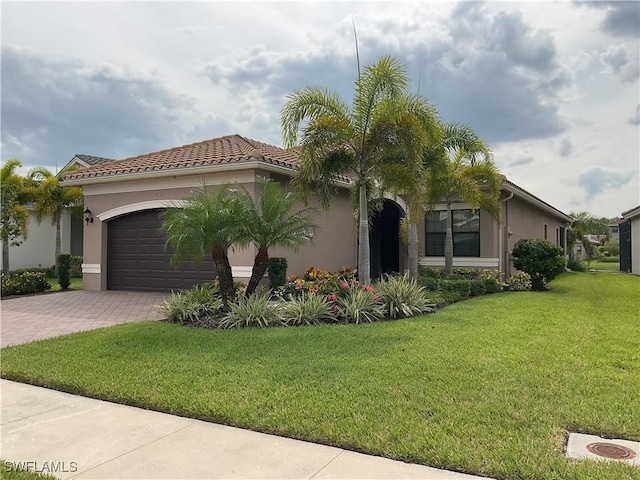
266, 220
378, 142
462, 169
51, 198
541, 259
585, 224
14, 215
206, 224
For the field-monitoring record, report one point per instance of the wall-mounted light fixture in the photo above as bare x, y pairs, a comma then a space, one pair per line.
87, 216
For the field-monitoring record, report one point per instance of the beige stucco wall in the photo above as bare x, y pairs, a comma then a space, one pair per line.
523, 220
635, 246
39, 249
332, 248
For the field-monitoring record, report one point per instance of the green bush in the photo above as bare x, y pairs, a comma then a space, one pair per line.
576, 265
520, 282
24, 283
541, 259
492, 280
461, 287
187, 306
50, 272
76, 266
63, 270
402, 297
307, 309
254, 311
277, 270
359, 306
431, 284
477, 287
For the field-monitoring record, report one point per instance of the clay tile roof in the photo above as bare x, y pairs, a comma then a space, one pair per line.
217, 151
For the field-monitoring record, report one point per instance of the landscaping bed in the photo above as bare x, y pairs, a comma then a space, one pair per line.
489, 386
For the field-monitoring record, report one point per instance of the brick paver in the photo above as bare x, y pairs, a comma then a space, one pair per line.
42, 316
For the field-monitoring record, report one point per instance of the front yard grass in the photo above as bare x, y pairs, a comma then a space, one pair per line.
489, 386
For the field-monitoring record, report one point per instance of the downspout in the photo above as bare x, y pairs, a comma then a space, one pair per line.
501, 237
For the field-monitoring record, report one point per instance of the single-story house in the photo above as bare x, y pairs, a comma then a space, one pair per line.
123, 248
630, 241
39, 249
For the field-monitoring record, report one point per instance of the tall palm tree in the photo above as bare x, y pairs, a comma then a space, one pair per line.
385, 132
13, 215
52, 198
266, 220
206, 224
462, 169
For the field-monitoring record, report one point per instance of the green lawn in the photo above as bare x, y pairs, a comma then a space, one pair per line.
609, 266
490, 386
76, 284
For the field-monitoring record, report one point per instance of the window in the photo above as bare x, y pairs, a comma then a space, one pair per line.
466, 233
614, 229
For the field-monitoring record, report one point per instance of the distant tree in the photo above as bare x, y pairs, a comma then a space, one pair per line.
14, 215
462, 169
267, 219
51, 198
585, 224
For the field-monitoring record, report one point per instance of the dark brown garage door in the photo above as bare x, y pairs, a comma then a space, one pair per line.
138, 260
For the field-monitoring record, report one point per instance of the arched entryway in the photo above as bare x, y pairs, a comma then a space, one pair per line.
384, 240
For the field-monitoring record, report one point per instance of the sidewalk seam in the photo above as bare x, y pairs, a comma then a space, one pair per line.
326, 464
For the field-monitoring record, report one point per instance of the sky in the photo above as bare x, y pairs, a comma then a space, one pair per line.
552, 87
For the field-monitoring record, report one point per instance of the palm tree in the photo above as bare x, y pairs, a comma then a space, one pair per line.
52, 198
462, 169
206, 224
266, 220
585, 224
14, 215
384, 133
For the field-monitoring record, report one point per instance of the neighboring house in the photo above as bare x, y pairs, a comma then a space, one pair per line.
125, 251
39, 250
614, 229
580, 252
630, 241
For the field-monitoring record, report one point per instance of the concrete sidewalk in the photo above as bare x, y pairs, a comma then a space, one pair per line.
77, 437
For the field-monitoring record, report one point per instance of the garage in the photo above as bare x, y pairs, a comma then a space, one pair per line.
138, 260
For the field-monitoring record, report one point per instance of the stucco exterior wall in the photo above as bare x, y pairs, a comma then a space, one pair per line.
39, 249
635, 246
523, 220
332, 248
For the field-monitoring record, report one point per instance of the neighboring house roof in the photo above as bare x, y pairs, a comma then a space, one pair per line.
230, 149
631, 214
522, 193
90, 160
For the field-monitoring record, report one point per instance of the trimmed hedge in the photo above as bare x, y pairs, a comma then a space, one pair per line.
63, 269
24, 283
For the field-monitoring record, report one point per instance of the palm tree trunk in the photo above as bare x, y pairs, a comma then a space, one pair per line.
5, 257
448, 244
225, 275
413, 251
260, 264
364, 251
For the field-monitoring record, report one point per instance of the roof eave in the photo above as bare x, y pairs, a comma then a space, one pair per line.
532, 199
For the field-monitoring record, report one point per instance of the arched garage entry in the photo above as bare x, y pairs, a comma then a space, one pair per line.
137, 258
384, 239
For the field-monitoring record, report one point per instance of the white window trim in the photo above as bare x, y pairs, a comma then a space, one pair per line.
475, 262
139, 206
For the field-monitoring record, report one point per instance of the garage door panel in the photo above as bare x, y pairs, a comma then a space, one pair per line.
138, 259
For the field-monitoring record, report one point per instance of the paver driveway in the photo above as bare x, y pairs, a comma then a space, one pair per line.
42, 316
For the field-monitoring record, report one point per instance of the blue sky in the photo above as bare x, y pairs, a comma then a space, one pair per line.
553, 87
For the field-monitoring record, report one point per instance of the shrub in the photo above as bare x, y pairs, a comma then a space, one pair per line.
541, 259
576, 265
429, 283
520, 282
63, 270
76, 266
477, 287
359, 305
431, 272
252, 311
492, 280
460, 287
402, 297
307, 309
49, 272
24, 283
317, 281
187, 306
277, 270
